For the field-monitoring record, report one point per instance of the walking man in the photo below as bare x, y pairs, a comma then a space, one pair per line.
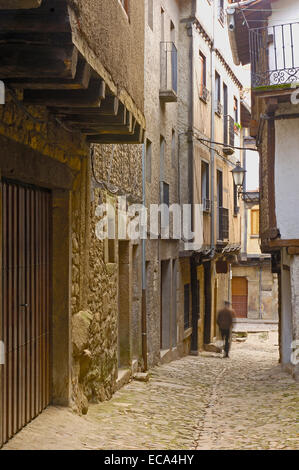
225, 322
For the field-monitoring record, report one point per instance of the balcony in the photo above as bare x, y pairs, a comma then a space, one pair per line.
274, 53
169, 73
206, 205
228, 135
218, 108
223, 224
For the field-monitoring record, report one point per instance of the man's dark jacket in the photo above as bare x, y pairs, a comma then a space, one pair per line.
225, 319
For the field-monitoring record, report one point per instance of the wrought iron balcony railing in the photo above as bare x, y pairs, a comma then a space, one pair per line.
169, 72
229, 131
207, 205
221, 14
274, 53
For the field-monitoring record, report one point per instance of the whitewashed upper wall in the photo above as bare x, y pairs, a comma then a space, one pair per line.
286, 177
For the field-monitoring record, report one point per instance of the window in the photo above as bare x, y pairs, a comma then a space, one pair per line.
150, 14
236, 114
125, 5
255, 222
218, 108
164, 193
148, 163
173, 149
162, 157
202, 74
205, 186
186, 306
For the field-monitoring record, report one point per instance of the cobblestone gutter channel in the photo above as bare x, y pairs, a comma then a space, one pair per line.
204, 402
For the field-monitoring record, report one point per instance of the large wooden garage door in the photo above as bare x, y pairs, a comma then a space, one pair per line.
240, 296
25, 306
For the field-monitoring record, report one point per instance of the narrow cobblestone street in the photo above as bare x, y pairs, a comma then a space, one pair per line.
204, 402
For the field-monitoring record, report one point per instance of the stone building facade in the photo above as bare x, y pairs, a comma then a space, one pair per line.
71, 109
210, 131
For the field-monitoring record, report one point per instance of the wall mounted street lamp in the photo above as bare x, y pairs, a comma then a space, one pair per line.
238, 175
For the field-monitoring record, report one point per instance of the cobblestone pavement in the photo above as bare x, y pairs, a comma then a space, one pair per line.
204, 402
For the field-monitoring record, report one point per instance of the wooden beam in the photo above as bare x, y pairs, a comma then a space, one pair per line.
15, 4
72, 113
41, 61
52, 16
80, 81
34, 38
293, 250
136, 138
91, 118
90, 98
283, 243
99, 128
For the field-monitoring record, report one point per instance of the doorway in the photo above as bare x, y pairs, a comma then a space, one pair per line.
240, 296
25, 304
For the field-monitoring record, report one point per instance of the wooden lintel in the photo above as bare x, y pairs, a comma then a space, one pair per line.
270, 93
293, 250
283, 243
90, 98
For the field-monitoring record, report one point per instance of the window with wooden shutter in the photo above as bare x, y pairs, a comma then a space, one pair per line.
255, 222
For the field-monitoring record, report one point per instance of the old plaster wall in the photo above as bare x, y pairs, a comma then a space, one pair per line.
95, 25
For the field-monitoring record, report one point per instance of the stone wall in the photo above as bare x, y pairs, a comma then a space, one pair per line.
39, 151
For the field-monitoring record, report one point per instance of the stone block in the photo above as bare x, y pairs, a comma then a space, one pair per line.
80, 331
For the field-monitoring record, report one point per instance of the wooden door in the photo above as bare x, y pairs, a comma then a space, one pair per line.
240, 296
25, 305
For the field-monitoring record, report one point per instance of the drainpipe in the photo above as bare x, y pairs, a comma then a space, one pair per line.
212, 151
143, 311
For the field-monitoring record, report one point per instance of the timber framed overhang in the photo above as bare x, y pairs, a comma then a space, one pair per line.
251, 16
40, 55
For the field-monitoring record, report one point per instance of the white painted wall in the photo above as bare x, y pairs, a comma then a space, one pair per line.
252, 167
287, 177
